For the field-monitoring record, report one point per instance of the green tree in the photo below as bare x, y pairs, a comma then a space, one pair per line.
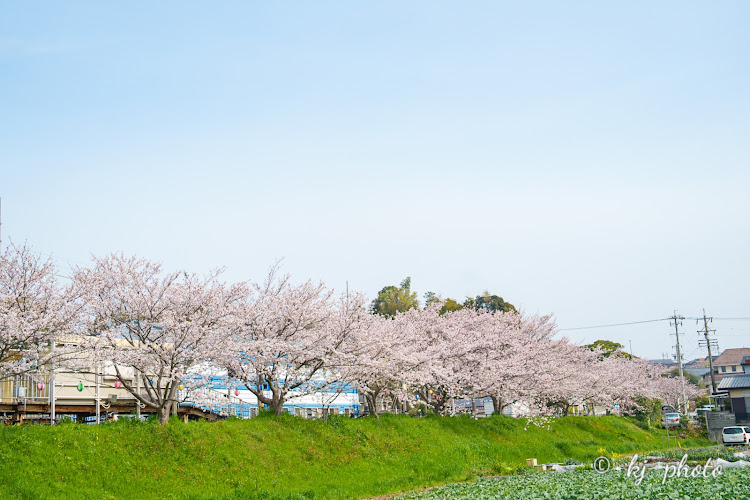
648, 411
489, 302
450, 305
609, 348
446, 305
393, 300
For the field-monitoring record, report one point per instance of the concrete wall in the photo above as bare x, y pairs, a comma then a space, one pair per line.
716, 421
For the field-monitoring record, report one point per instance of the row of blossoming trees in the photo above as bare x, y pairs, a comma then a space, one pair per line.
160, 330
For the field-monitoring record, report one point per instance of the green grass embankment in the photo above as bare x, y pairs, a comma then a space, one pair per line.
293, 458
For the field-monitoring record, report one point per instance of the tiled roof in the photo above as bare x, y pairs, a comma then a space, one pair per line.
732, 356
735, 382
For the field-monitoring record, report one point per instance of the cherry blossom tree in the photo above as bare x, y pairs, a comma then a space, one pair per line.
390, 354
668, 389
592, 380
518, 361
465, 353
510, 357
157, 329
289, 340
373, 368
34, 309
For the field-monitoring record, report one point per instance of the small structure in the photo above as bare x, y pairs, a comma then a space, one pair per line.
738, 387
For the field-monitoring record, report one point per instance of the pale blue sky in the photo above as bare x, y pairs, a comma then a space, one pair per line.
587, 159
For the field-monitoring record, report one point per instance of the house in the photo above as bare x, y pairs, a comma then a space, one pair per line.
738, 387
729, 362
665, 363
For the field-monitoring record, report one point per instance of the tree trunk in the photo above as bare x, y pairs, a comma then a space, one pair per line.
278, 407
395, 403
438, 404
372, 403
276, 402
495, 404
163, 412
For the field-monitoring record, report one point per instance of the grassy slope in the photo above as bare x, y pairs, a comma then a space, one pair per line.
290, 457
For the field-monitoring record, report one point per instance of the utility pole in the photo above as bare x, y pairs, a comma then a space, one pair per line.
677, 320
709, 343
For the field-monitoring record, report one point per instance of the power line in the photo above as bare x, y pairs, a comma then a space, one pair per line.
644, 321
725, 319
693, 351
614, 324
68, 262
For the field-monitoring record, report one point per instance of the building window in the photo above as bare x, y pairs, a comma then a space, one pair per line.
734, 368
723, 369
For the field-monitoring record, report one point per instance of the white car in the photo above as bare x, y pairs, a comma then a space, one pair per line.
735, 435
670, 420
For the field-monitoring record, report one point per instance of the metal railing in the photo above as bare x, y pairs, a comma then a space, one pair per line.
28, 388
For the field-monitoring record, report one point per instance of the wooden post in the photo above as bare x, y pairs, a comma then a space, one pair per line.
137, 391
98, 401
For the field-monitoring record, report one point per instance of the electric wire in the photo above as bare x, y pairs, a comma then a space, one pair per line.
614, 324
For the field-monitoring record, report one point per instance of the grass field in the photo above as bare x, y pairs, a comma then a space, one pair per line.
293, 458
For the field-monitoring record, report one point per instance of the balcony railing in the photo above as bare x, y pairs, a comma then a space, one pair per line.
30, 388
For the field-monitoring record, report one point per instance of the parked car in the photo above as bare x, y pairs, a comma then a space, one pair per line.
706, 408
735, 435
670, 420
